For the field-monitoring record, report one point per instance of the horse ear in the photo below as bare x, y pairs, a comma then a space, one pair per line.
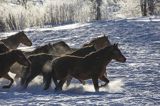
115, 45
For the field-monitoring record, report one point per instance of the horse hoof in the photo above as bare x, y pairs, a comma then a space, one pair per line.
84, 83
45, 88
58, 89
6, 87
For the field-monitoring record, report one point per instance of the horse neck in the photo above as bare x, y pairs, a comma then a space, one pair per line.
10, 58
101, 56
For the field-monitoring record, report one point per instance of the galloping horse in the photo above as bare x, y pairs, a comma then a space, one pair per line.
92, 66
7, 59
81, 53
58, 49
39, 65
99, 42
39, 61
13, 41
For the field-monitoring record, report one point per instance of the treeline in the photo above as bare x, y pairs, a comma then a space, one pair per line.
20, 14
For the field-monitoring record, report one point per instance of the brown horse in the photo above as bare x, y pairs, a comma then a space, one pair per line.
99, 42
38, 61
40, 64
13, 41
92, 66
7, 60
81, 53
61, 48
56, 49
3, 48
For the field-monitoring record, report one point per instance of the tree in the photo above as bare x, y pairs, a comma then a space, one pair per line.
23, 2
97, 7
147, 7
143, 4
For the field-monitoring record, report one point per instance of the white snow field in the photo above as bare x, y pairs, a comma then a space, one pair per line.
134, 83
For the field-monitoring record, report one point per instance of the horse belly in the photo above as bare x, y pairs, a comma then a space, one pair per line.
81, 73
82, 76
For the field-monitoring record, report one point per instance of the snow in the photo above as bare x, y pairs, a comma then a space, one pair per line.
134, 83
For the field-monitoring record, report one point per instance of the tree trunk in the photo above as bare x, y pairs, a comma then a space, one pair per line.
143, 4
98, 10
151, 7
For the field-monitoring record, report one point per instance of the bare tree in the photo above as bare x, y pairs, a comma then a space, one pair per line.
97, 7
23, 2
148, 7
143, 4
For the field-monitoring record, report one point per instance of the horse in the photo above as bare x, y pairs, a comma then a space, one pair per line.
39, 61
92, 66
39, 65
56, 49
99, 42
7, 59
81, 53
13, 41
61, 48
3, 48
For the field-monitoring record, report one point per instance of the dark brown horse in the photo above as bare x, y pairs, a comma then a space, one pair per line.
56, 49
7, 59
99, 42
92, 66
81, 53
13, 41
61, 48
39, 61
40, 64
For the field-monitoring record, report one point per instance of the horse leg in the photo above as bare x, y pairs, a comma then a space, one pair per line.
104, 78
46, 80
69, 78
55, 81
54, 77
29, 79
9, 78
95, 82
60, 85
82, 81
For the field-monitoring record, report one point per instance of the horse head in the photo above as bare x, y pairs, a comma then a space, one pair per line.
24, 39
117, 55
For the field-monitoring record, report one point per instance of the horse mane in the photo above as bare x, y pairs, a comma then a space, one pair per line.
92, 54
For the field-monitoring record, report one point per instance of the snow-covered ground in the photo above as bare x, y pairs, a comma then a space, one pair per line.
136, 82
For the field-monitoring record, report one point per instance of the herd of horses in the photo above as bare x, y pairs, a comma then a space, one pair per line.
57, 61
